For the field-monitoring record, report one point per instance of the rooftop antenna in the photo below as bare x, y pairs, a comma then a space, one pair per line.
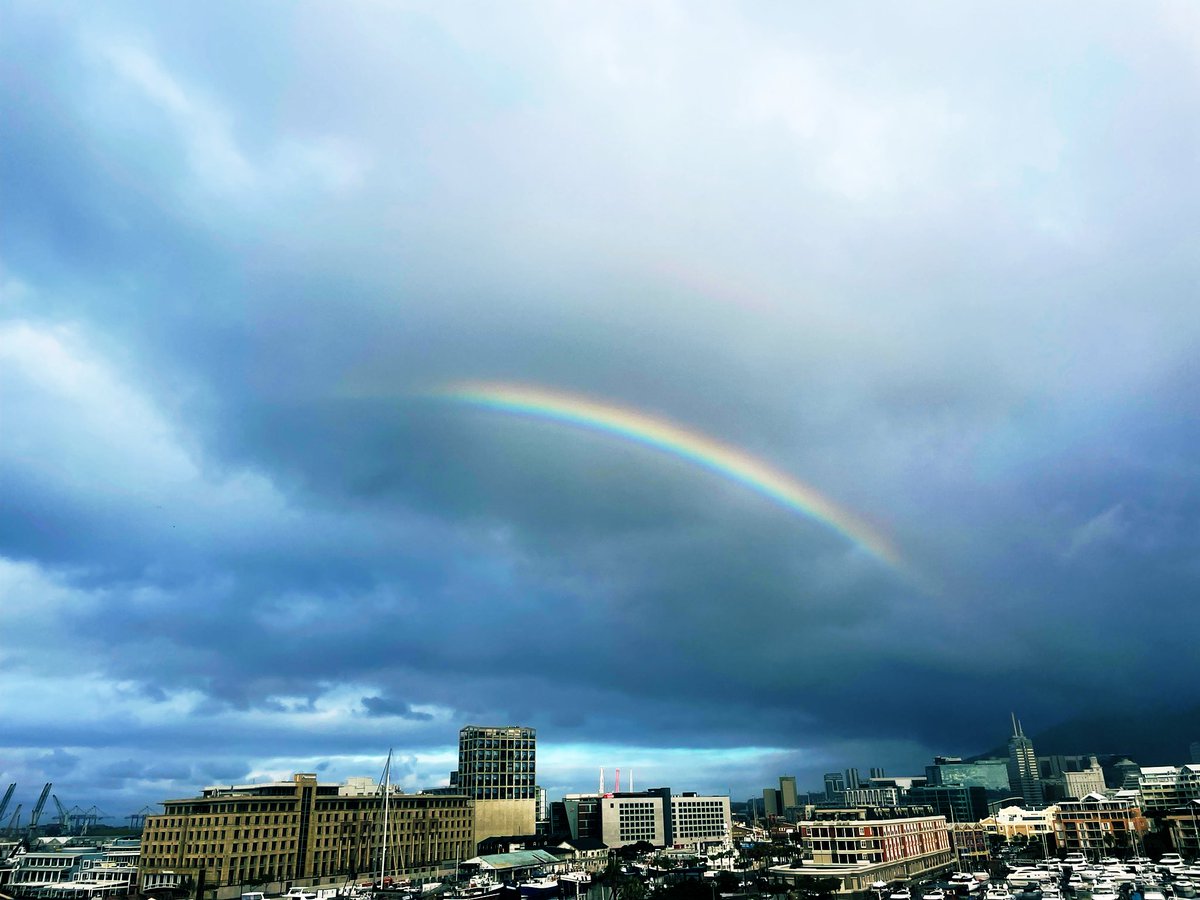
602, 781
631, 781
617, 789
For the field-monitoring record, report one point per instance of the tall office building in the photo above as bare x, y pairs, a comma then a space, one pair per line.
853, 782
771, 802
876, 772
787, 792
496, 768
1023, 776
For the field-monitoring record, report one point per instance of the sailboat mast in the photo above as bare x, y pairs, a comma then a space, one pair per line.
387, 790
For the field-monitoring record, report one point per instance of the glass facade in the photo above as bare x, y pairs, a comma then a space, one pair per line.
497, 763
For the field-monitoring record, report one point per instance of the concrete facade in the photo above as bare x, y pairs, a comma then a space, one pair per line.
497, 768
699, 820
631, 819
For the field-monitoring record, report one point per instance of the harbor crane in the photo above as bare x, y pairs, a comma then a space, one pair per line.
36, 815
11, 830
88, 818
78, 819
64, 817
37, 810
137, 820
7, 796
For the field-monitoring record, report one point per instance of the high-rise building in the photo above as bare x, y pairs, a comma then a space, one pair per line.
1023, 776
835, 783
853, 782
1194, 751
787, 792
876, 772
496, 768
771, 802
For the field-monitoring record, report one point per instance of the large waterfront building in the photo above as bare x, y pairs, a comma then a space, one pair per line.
74, 872
1098, 826
1023, 775
863, 846
300, 832
1169, 787
496, 768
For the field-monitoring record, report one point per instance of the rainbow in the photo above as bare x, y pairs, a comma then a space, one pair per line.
669, 438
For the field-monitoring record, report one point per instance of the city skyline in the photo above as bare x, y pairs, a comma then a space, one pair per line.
723, 391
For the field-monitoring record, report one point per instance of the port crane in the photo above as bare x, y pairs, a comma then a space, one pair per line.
64, 817
137, 820
37, 810
7, 796
11, 830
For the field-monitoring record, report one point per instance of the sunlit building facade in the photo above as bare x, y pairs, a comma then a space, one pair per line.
299, 832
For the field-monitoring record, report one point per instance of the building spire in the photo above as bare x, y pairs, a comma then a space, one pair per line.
1016, 725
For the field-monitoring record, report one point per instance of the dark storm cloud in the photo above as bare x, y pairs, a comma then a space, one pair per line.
386, 707
947, 287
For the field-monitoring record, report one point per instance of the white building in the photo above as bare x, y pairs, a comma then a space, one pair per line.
630, 819
1010, 821
81, 873
697, 820
1088, 781
1169, 787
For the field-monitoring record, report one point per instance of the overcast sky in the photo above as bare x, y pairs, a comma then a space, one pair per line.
937, 263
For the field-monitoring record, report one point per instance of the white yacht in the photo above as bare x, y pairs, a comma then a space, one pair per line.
996, 892
962, 881
902, 893
935, 893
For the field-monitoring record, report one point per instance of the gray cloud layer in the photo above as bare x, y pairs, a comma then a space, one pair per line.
934, 262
